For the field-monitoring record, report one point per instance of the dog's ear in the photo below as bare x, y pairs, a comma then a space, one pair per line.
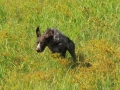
49, 33
38, 32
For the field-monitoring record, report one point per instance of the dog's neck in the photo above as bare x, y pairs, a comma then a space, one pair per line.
49, 39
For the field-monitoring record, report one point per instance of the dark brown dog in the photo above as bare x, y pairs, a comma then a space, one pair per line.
56, 41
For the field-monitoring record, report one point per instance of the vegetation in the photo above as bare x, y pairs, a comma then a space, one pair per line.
93, 25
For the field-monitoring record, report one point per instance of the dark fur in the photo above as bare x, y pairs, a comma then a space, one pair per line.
56, 41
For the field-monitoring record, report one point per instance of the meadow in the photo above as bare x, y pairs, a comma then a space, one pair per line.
94, 27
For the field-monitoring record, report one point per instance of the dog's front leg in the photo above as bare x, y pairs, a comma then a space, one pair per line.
63, 52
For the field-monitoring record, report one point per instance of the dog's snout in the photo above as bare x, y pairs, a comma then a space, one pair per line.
38, 49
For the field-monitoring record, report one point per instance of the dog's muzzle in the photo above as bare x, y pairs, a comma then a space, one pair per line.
38, 50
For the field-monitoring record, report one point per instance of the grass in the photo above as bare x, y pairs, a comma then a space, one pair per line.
93, 25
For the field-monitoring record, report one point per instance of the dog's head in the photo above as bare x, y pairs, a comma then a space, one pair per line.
43, 40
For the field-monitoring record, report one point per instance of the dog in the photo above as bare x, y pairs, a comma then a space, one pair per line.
56, 42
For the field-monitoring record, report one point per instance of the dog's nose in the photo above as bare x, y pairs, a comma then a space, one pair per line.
38, 50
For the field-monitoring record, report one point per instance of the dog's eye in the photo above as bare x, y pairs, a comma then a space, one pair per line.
37, 42
41, 42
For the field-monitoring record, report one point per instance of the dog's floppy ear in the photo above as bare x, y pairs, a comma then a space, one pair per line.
38, 32
49, 33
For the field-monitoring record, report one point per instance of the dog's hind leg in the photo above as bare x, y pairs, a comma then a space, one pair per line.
71, 50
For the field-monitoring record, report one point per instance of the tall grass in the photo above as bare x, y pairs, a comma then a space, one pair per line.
94, 27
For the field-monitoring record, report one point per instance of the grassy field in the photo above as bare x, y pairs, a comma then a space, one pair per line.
94, 27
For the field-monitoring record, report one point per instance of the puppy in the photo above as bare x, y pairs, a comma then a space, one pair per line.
56, 42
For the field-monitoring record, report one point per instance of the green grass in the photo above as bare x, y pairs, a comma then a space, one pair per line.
94, 27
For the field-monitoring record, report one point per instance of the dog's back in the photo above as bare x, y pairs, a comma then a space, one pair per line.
59, 37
